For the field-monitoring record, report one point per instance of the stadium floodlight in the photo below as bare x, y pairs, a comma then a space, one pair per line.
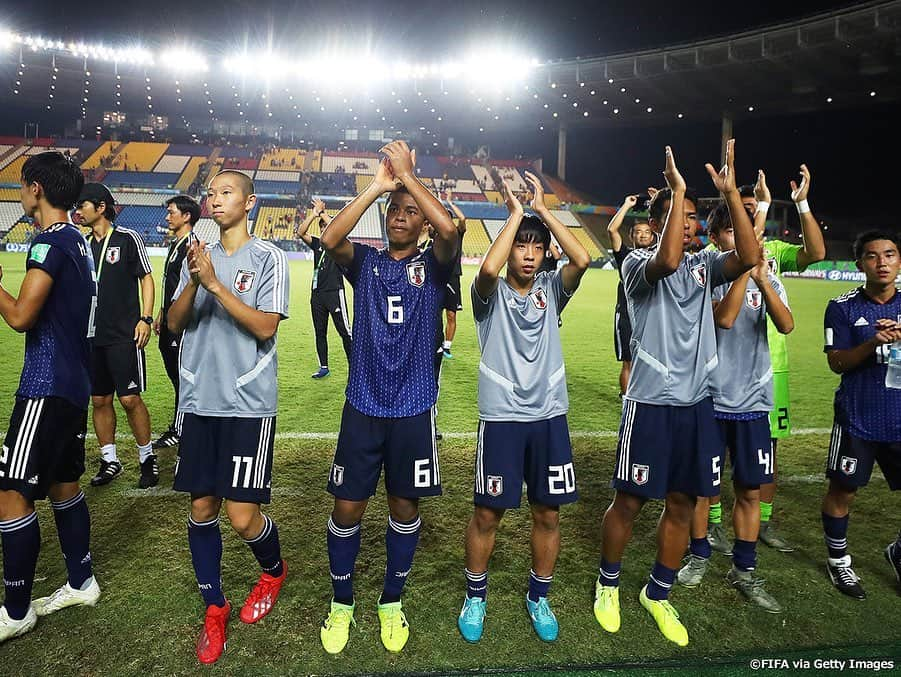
184, 60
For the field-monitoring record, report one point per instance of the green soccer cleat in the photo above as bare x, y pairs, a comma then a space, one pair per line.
606, 606
666, 617
335, 629
395, 630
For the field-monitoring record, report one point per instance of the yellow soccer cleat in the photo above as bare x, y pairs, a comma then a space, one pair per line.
395, 629
606, 606
336, 628
666, 617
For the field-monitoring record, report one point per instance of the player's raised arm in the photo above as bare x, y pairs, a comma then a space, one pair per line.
314, 212
617, 221
814, 245
578, 258
776, 308
669, 254
499, 250
726, 311
21, 313
458, 213
447, 239
764, 199
747, 248
334, 238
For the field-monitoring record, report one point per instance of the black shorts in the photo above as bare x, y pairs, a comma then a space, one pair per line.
119, 368
750, 450
453, 300
622, 335
850, 460
227, 457
44, 445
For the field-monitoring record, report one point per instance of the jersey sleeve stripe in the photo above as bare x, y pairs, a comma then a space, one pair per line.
142, 250
279, 302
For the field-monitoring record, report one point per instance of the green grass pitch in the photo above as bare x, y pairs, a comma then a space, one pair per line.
150, 612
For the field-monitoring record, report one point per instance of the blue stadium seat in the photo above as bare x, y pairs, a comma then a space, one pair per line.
146, 221
140, 179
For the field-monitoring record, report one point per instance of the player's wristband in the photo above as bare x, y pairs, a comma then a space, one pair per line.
147, 319
763, 206
803, 207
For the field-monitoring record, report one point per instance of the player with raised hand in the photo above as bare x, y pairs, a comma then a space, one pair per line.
43, 452
667, 448
388, 418
861, 327
230, 301
453, 300
523, 433
642, 236
742, 390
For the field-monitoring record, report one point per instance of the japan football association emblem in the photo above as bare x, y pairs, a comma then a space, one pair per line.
244, 281
699, 273
539, 298
640, 473
754, 299
113, 255
416, 273
848, 465
495, 485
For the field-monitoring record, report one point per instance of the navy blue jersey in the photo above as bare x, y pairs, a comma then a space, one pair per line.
58, 346
397, 305
872, 411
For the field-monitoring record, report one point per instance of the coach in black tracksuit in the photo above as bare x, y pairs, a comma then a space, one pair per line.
327, 290
182, 213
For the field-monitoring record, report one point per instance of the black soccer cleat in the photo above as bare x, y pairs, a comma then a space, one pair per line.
109, 470
150, 473
844, 579
167, 439
893, 557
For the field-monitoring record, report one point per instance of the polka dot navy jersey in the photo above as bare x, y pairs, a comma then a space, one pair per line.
869, 409
396, 314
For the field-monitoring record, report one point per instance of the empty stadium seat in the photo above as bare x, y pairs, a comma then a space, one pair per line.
476, 240
140, 156
10, 213
283, 158
140, 179
172, 163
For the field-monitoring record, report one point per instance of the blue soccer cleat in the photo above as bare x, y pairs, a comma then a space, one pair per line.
543, 619
471, 620
322, 373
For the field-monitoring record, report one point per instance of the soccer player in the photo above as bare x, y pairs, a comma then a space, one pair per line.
229, 303
523, 433
182, 214
453, 299
125, 293
742, 389
43, 453
668, 436
388, 417
642, 237
860, 328
327, 290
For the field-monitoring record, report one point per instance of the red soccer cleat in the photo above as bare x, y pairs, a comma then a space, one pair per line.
211, 642
263, 596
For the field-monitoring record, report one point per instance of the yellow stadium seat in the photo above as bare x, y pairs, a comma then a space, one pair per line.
271, 223
362, 181
281, 158
106, 148
140, 156
12, 173
190, 172
585, 239
476, 240
494, 196
9, 194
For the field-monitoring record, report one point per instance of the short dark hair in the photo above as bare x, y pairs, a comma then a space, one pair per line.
719, 219
746, 190
637, 222
109, 212
59, 177
532, 229
869, 236
656, 207
186, 205
245, 181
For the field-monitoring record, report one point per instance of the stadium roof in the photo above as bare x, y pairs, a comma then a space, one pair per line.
846, 58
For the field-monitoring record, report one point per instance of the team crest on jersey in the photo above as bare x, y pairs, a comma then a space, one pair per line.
848, 465
495, 485
113, 255
416, 273
754, 298
539, 298
699, 273
640, 473
244, 281
772, 265
337, 475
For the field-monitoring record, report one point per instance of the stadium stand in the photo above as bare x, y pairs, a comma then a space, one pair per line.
276, 187
207, 230
132, 198
493, 226
272, 175
140, 179
19, 233
12, 173
104, 150
190, 173
274, 222
351, 163
172, 163
10, 213
476, 240
7, 194
139, 156
148, 222
283, 158
332, 184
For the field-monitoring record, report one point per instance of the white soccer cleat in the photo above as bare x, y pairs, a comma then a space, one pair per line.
10, 628
67, 596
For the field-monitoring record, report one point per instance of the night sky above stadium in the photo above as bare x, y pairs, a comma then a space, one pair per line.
839, 145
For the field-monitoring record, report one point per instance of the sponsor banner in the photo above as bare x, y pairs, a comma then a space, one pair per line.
834, 271
17, 247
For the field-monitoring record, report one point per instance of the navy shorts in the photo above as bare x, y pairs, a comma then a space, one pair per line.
750, 450
119, 368
664, 449
227, 457
851, 459
538, 452
622, 335
405, 446
44, 445
453, 299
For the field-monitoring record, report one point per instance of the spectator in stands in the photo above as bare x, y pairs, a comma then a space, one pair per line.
182, 214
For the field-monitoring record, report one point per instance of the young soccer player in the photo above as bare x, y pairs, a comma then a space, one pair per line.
43, 453
742, 389
453, 299
229, 303
125, 292
523, 434
667, 448
327, 290
388, 417
642, 237
861, 327
182, 214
